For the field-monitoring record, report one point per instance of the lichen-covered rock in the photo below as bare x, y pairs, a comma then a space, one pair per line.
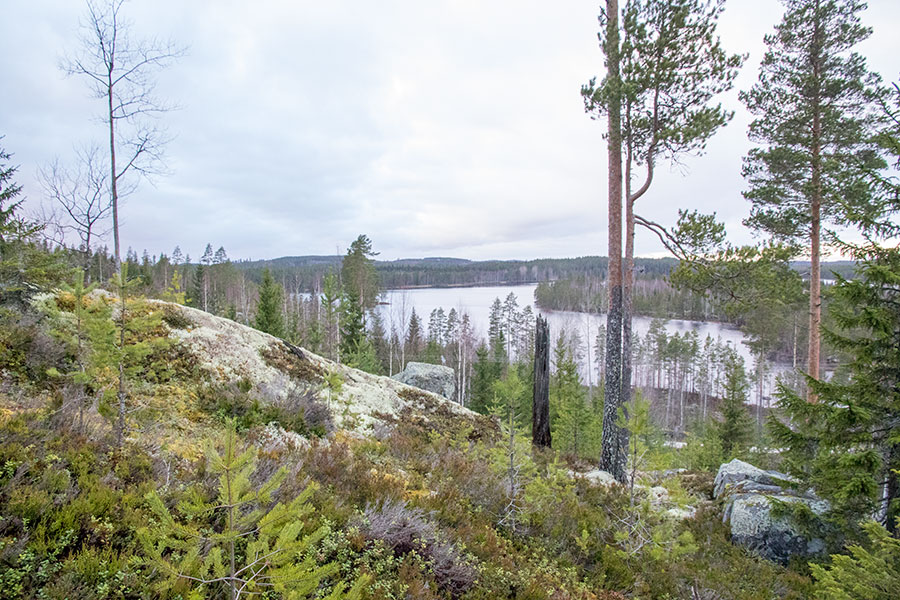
436, 379
759, 527
597, 477
681, 514
276, 370
745, 474
758, 510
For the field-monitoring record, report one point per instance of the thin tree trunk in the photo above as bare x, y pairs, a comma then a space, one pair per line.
627, 292
114, 193
114, 187
120, 433
815, 277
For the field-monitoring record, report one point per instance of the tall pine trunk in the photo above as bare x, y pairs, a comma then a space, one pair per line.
815, 278
613, 452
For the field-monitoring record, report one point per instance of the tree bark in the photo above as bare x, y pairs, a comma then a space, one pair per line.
892, 492
613, 455
540, 422
815, 277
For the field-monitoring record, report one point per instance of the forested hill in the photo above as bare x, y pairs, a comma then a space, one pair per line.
444, 271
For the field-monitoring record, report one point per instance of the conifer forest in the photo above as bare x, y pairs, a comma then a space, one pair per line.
589, 358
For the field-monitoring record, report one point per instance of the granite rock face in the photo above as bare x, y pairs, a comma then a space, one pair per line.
758, 511
278, 372
436, 379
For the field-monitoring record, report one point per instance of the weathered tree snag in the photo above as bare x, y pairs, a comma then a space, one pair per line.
540, 421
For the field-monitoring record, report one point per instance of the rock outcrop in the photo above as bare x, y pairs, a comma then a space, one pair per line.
758, 509
278, 371
436, 379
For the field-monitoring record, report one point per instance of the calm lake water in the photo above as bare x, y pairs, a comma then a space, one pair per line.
477, 302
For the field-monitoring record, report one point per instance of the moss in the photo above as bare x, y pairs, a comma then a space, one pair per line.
440, 418
698, 483
291, 361
175, 318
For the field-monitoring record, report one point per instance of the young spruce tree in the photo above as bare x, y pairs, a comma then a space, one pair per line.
269, 317
847, 445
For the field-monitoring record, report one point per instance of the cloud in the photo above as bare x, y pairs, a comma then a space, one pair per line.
450, 128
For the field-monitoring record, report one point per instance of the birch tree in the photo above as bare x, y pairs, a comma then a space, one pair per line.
119, 70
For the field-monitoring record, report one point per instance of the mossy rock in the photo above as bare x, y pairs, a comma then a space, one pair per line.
291, 361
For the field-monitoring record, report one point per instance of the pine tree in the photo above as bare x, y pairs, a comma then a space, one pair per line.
664, 65
78, 332
358, 274
510, 326
220, 257
506, 408
204, 273
243, 542
814, 106
269, 317
847, 445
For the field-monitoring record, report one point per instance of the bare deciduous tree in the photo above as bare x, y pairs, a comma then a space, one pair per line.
120, 70
82, 195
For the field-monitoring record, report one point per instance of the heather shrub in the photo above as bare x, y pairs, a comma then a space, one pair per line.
300, 411
406, 530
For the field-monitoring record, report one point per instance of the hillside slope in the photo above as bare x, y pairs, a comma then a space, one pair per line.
277, 370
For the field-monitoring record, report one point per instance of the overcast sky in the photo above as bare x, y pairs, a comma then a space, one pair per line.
438, 128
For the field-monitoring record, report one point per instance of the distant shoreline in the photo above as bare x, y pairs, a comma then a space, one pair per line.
462, 285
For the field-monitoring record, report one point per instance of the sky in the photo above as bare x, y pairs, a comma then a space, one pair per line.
439, 128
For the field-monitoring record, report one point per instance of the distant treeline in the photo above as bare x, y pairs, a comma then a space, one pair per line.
307, 271
449, 272
653, 297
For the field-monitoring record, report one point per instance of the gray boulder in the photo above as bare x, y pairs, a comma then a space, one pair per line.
758, 512
438, 379
738, 472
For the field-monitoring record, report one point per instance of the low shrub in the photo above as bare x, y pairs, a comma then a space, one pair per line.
301, 411
407, 530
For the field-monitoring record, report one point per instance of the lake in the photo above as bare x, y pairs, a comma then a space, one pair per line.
476, 301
